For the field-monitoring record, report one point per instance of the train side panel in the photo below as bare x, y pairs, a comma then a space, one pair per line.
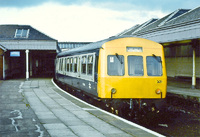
78, 71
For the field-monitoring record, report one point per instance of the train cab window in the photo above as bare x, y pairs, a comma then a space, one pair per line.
75, 65
68, 65
90, 65
71, 65
115, 65
135, 66
83, 65
154, 66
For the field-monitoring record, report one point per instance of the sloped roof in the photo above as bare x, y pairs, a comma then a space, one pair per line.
155, 23
128, 31
164, 20
7, 32
186, 26
137, 27
188, 16
145, 25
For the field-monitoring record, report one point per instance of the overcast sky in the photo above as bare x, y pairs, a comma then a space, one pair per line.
86, 20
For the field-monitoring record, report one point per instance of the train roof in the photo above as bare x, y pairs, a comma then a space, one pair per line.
89, 47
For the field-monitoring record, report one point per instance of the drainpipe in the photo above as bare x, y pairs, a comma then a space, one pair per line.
27, 65
194, 70
4, 76
194, 44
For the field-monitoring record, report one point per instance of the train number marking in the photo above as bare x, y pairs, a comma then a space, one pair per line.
159, 81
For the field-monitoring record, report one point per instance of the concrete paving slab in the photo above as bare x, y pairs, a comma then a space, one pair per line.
55, 126
82, 114
118, 135
62, 113
49, 120
46, 115
39, 108
6, 128
48, 90
54, 95
85, 131
13, 106
55, 107
62, 101
61, 133
103, 126
34, 84
71, 107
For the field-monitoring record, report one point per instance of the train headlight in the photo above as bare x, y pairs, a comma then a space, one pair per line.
113, 90
158, 91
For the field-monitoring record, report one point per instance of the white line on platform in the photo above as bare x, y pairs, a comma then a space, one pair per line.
124, 120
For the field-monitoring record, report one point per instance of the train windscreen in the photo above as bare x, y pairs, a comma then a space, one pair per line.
154, 66
115, 65
135, 66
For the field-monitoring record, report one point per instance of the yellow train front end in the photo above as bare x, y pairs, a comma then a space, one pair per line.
131, 68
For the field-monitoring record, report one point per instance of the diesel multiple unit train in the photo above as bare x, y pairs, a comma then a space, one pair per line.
125, 73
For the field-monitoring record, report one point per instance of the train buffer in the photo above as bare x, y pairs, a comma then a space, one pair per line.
61, 114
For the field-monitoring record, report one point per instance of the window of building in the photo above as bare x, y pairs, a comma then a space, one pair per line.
21, 33
184, 51
197, 51
115, 64
83, 66
154, 66
170, 51
135, 66
90, 65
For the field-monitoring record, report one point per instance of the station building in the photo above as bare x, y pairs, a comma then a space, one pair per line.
25, 52
179, 33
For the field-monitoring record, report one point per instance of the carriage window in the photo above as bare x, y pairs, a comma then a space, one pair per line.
65, 64
115, 65
154, 66
61, 64
68, 65
71, 64
135, 66
57, 64
75, 64
83, 66
90, 65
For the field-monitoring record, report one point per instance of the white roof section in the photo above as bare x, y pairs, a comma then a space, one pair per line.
29, 45
3, 48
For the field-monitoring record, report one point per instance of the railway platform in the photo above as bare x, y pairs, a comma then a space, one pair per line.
38, 108
181, 88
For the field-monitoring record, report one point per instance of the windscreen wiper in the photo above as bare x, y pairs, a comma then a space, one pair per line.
118, 58
157, 58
